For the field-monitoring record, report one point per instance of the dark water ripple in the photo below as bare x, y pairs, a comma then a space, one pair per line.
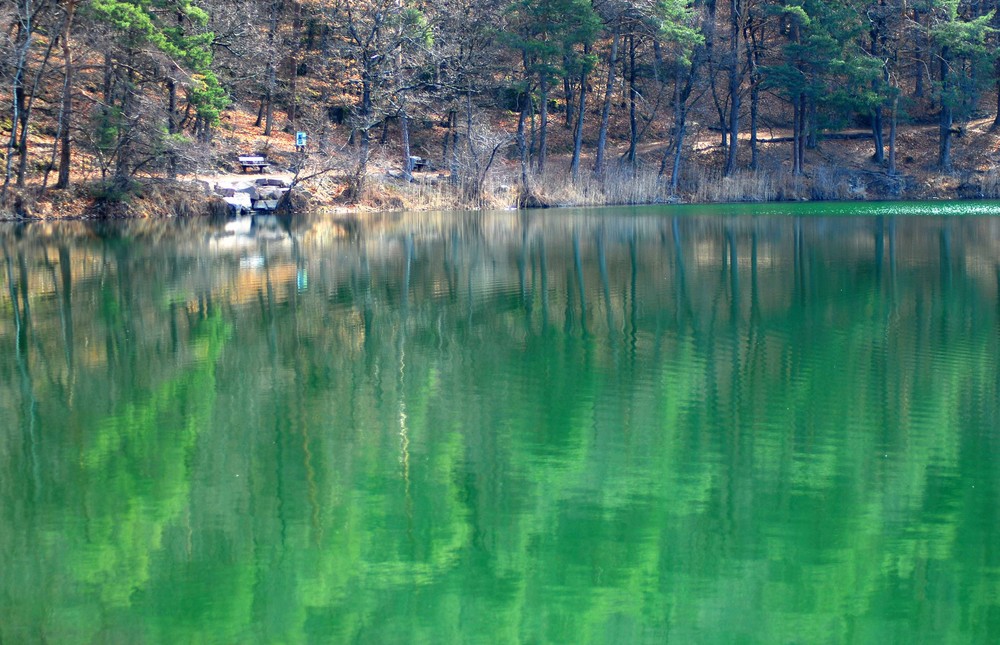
735, 424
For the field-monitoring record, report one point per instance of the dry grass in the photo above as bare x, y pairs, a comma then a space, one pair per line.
709, 186
619, 186
433, 193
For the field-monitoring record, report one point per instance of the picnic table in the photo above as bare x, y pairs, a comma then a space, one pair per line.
253, 163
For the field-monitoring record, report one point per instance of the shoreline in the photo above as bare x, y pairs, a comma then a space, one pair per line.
201, 195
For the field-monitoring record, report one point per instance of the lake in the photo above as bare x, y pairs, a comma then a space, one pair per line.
753, 424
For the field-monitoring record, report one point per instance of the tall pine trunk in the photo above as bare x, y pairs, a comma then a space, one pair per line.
996, 120
602, 136
877, 139
877, 110
892, 136
522, 150
404, 125
633, 96
543, 121
24, 30
674, 152
22, 167
66, 109
581, 112
734, 86
293, 64
171, 126
753, 56
918, 56
272, 30
946, 118
568, 94
524, 100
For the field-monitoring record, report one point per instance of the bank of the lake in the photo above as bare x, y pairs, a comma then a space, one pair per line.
204, 195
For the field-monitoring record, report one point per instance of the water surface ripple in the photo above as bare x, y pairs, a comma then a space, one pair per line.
773, 424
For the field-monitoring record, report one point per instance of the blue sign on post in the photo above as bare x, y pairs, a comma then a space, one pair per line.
300, 139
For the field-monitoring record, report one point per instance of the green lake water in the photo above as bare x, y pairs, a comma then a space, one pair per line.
734, 424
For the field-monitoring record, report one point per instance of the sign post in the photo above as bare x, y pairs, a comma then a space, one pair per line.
300, 141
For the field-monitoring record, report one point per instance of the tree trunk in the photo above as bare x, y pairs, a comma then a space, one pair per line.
107, 92
633, 95
123, 160
811, 124
681, 96
66, 110
708, 30
876, 113
531, 117
798, 133
384, 137
361, 170
877, 135
946, 118
447, 137
754, 103
543, 122
171, 126
22, 168
675, 169
21, 128
803, 125
473, 186
455, 169
293, 63
918, 57
578, 138
796, 166
269, 112
272, 30
404, 126
734, 86
524, 100
568, 95
602, 136
24, 30
260, 111
996, 120
753, 54
522, 147
892, 136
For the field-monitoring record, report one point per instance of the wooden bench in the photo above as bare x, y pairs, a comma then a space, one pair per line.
254, 163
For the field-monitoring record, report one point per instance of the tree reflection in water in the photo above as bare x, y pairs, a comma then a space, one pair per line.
626, 425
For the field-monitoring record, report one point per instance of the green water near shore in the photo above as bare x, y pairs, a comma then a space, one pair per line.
774, 424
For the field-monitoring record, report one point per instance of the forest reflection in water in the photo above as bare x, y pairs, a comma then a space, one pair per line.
625, 425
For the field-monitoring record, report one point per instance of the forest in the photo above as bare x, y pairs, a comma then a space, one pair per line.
502, 102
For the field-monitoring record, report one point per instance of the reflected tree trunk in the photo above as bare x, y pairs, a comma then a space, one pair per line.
944, 238
734, 275
633, 254
22, 322
66, 305
602, 264
578, 269
544, 265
